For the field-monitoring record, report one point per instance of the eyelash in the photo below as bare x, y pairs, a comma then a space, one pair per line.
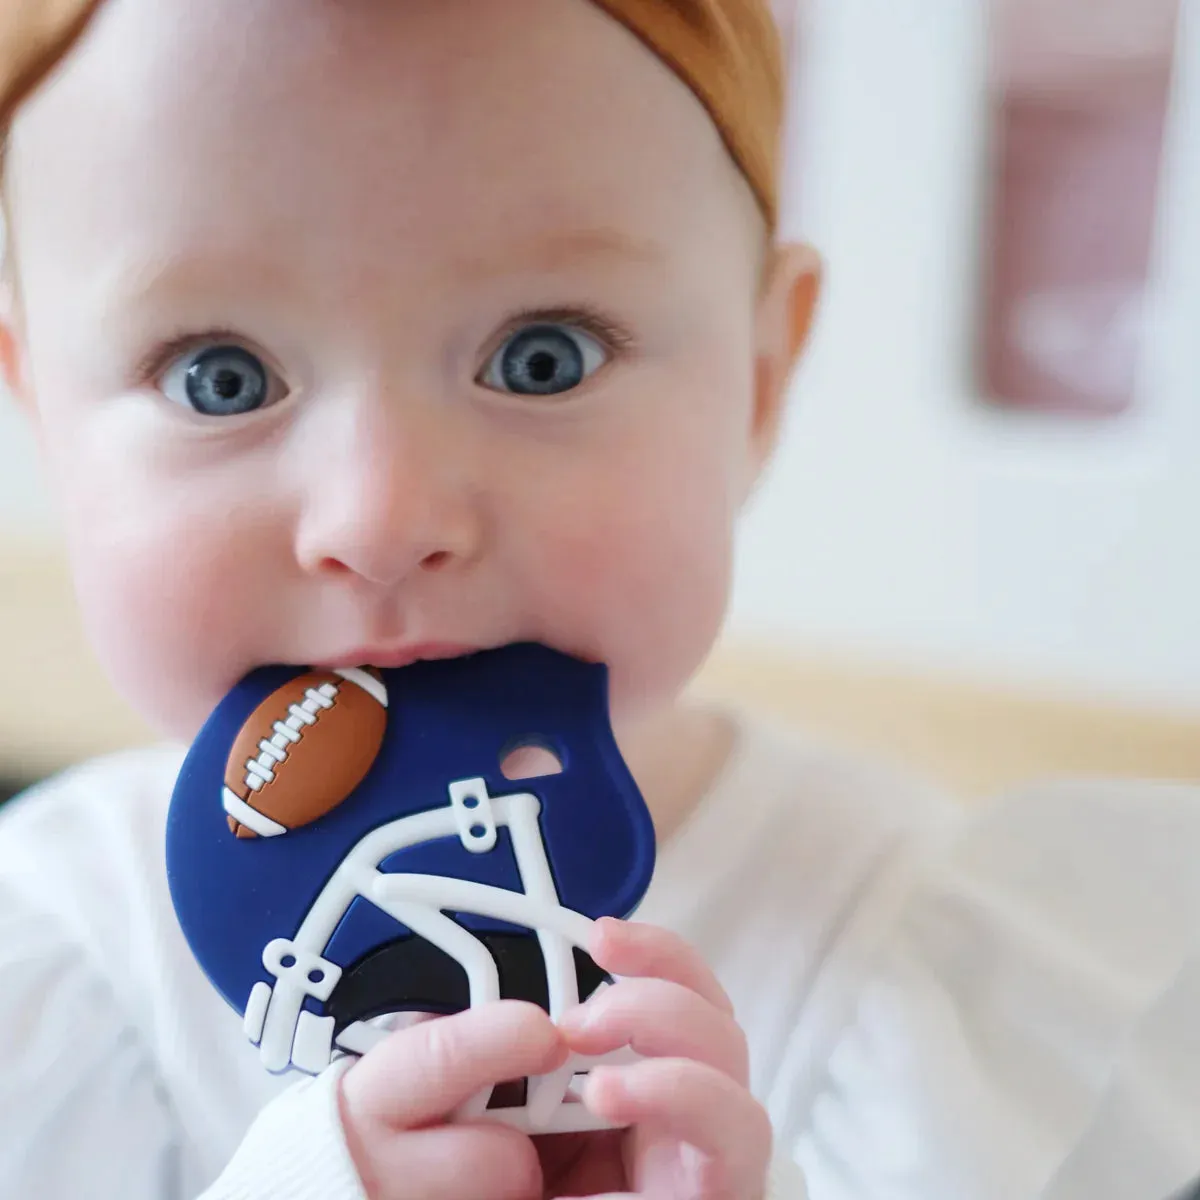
590, 320
154, 363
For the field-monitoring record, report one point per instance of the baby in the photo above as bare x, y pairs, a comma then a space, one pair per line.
359, 332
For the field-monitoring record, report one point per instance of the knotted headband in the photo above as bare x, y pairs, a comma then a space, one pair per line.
726, 51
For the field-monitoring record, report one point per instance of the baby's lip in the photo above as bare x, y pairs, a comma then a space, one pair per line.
401, 655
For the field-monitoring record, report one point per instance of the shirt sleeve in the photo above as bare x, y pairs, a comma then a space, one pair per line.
81, 1109
83, 1112
95, 984
296, 1148
1025, 1023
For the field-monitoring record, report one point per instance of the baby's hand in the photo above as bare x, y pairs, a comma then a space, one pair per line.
697, 1132
393, 1103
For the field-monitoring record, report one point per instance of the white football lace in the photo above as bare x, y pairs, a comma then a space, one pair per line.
261, 770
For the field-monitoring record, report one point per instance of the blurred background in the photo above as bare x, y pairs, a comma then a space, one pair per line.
976, 550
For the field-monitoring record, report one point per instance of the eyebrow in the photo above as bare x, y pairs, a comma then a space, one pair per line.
139, 280
142, 280
555, 251
195, 271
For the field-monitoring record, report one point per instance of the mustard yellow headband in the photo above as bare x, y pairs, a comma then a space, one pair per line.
34, 35
726, 51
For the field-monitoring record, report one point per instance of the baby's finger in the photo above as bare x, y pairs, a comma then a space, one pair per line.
697, 1105
641, 951
424, 1073
461, 1162
658, 1019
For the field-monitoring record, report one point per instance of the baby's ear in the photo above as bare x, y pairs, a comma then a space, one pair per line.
12, 354
786, 308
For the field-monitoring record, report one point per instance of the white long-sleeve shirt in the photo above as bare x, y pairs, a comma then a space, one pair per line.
941, 1005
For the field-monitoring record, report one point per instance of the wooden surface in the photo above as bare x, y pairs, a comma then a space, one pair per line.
57, 708
974, 737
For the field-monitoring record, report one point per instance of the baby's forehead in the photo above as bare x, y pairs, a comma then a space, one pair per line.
252, 55
174, 118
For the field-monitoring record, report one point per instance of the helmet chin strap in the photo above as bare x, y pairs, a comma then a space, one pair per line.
289, 1034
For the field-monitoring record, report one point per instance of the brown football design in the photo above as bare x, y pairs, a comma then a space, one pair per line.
303, 750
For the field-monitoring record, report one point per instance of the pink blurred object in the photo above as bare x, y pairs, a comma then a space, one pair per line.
1052, 47
1078, 153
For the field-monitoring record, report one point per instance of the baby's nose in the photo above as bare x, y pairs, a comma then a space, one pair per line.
387, 505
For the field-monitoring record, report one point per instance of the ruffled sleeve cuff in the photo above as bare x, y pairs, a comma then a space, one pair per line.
295, 1148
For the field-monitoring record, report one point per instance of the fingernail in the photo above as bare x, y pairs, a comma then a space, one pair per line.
609, 1081
577, 1019
606, 938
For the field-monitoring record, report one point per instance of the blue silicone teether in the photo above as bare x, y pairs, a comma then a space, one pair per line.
343, 846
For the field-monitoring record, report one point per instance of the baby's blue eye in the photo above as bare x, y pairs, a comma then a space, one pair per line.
544, 360
221, 381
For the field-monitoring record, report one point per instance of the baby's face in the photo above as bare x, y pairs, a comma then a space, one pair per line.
363, 331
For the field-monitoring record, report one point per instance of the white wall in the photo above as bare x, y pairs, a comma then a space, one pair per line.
24, 510
903, 517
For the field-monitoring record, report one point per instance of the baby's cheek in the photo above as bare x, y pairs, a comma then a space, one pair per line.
641, 581
167, 617
674, 609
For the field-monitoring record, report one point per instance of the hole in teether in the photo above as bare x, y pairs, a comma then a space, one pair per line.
530, 758
512, 1094
471, 802
287, 962
478, 831
317, 976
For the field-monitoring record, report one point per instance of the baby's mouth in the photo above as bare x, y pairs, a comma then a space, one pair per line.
401, 654
385, 656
